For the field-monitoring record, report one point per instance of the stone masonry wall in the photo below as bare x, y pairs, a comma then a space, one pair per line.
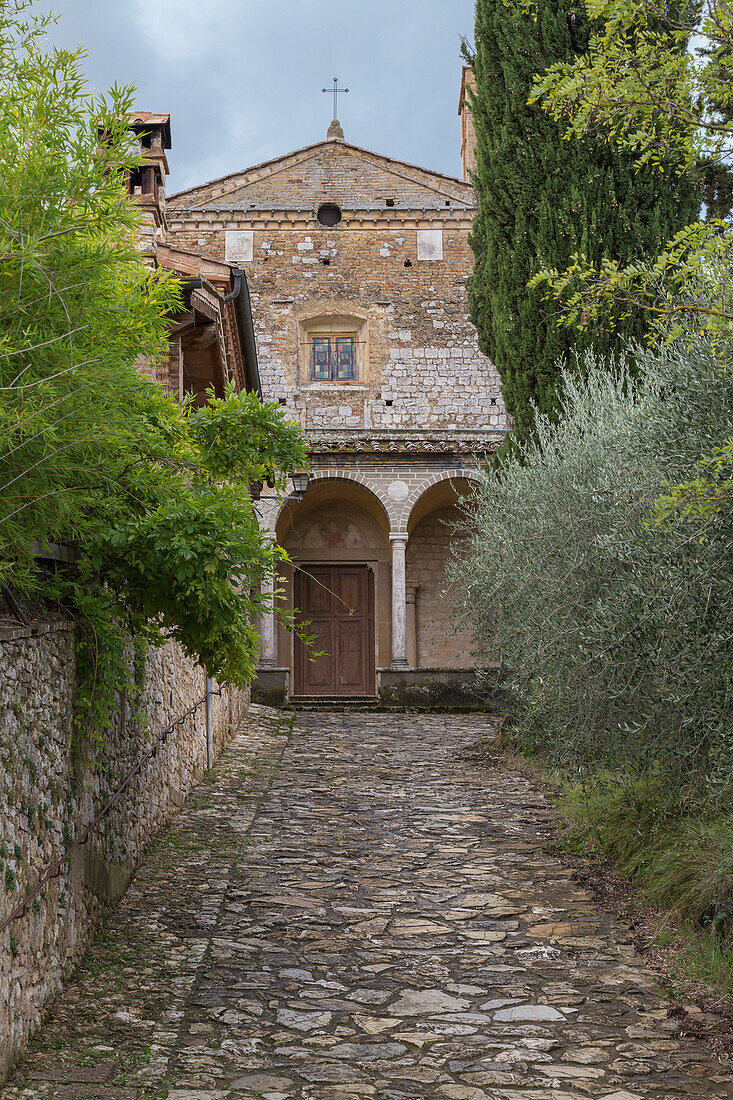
53, 781
432, 543
420, 366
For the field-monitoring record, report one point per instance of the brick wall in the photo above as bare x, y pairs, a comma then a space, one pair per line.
52, 784
468, 129
329, 171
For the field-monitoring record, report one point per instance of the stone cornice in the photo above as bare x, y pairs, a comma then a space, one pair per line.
288, 220
468, 441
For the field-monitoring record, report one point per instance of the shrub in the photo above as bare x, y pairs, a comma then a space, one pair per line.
610, 603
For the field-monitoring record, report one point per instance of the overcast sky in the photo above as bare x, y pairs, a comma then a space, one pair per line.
242, 79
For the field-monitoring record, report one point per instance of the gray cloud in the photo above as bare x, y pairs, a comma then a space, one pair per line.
242, 79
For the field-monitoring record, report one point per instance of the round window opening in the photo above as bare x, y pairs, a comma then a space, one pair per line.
329, 214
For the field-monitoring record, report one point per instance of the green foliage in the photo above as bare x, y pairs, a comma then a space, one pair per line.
245, 438
153, 494
78, 308
656, 80
705, 499
605, 591
686, 284
657, 75
176, 550
543, 199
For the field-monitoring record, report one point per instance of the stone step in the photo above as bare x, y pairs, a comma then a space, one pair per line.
332, 702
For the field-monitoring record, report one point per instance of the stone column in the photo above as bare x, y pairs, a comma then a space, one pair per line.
411, 625
268, 645
399, 602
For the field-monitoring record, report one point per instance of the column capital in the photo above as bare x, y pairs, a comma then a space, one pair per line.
404, 537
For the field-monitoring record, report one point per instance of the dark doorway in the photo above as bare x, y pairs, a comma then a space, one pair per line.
337, 601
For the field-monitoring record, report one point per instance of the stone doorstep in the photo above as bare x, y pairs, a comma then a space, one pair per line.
81, 1082
93, 1092
64, 1075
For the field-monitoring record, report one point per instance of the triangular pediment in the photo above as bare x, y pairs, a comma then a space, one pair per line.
331, 171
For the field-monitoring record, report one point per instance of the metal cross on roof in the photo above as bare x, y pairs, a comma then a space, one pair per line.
336, 91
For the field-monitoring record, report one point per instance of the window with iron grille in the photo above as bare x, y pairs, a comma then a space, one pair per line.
333, 359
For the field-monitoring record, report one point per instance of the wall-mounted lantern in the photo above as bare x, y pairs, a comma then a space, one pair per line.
299, 480
300, 484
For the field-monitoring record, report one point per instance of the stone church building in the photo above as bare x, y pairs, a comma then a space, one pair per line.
356, 265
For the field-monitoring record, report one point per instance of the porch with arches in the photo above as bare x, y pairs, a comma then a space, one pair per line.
369, 552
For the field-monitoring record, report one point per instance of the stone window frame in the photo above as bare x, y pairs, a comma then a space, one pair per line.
333, 325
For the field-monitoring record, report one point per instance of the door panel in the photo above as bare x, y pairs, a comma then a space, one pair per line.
350, 587
317, 597
337, 601
350, 668
320, 670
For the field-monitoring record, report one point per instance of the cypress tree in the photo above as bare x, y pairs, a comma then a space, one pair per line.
543, 197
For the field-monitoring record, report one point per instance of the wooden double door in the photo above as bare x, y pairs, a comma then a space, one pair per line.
336, 605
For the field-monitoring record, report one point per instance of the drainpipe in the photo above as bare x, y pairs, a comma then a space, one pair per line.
209, 727
240, 296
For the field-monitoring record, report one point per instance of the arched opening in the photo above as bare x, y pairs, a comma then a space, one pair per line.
326, 497
450, 492
437, 528
338, 584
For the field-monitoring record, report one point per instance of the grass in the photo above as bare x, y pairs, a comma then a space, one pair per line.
683, 862
680, 863
698, 957
674, 848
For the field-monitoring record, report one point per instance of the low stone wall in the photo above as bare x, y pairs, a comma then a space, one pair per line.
439, 687
53, 781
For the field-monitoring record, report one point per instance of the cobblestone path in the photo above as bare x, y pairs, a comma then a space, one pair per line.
352, 911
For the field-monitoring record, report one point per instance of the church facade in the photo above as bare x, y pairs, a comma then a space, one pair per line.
356, 265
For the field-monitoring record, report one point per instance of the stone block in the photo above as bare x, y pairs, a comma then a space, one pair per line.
434, 687
271, 687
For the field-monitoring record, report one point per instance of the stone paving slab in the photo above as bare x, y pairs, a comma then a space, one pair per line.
354, 912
